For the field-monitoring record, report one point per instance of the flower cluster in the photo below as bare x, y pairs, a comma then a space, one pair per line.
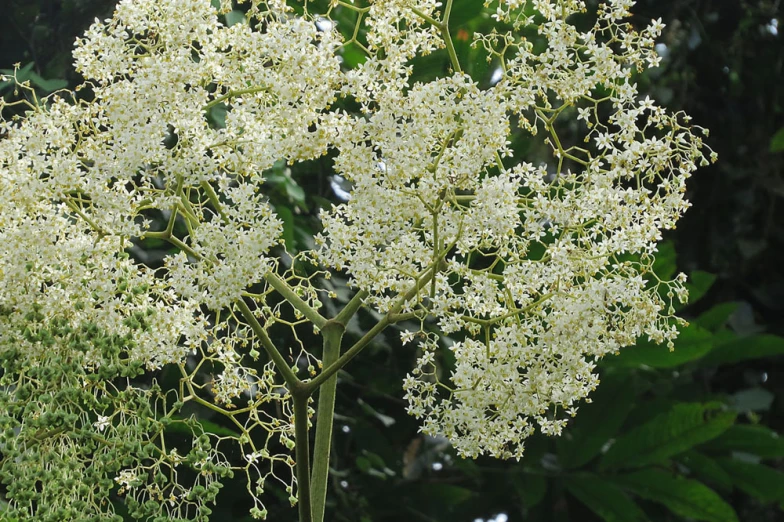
538, 270
527, 273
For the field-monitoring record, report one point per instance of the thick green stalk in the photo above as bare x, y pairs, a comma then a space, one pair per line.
332, 334
330, 370
302, 454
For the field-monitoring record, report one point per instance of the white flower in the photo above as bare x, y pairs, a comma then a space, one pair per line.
102, 423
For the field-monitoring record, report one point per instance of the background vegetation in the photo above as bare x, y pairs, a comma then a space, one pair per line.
689, 435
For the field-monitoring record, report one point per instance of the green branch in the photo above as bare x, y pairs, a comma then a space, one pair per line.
232, 94
295, 300
332, 369
450, 46
280, 363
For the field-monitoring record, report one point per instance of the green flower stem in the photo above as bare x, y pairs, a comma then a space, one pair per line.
213, 197
432, 21
273, 279
232, 94
443, 27
302, 453
345, 315
296, 301
421, 281
280, 363
450, 46
513, 313
332, 334
332, 369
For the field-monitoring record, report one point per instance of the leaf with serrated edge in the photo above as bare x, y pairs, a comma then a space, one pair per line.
604, 498
761, 482
597, 422
675, 431
706, 469
684, 497
757, 440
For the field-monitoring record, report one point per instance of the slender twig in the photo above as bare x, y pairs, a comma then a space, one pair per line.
280, 363
295, 300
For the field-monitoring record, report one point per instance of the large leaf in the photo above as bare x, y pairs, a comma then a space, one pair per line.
705, 469
463, 11
684, 497
49, 85
744, 348
27, 73
692, 343
698, 284
604, 498
235, 17
752, 399
445, 494
777, 141
530, 488
664, 265
683, 427
597, 422
717, 316
761, 482
757, 440
287, 217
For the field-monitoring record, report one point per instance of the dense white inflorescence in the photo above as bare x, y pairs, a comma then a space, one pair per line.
534, 271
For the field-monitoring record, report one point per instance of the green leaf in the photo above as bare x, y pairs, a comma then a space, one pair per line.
50, 85
761, 482
698, 284
692, 343
530, 488
207, 426
295, 192
597, 422
664, 264
375, 459
705, 469
777, 141
717, 316
363, 464
386, 420
353, 56
752, 399
746, 438
445, 494
463, 11
604, 498
287, 217
235, 17
745, 348
216, 115
668, 434
684, 497
27, 73
21, 74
